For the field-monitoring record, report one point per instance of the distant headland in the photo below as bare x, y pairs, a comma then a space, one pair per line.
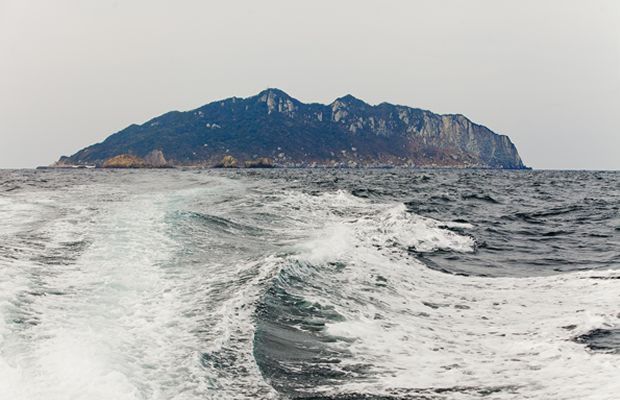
272, 129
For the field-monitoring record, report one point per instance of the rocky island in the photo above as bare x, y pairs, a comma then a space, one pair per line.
272, 129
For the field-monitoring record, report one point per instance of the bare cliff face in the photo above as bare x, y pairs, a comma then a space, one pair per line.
275, 126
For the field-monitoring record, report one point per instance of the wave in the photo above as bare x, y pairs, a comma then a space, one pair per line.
481, 197
221, 224
601, 340
353, 315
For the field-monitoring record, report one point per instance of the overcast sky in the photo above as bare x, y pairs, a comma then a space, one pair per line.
545, 73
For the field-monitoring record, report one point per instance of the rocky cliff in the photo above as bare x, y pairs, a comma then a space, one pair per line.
274, 126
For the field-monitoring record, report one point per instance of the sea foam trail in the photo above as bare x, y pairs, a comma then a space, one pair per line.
39, 239
134, 316
186, 285
109, 305
405, 330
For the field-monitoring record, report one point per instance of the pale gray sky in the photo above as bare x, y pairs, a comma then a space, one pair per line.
546, 73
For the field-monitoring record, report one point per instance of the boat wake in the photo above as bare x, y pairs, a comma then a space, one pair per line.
185, 285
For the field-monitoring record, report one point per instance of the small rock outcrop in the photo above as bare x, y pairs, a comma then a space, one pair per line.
263, 162
124, 161
156, 159
228, 161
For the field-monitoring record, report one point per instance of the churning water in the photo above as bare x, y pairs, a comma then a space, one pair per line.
309, 284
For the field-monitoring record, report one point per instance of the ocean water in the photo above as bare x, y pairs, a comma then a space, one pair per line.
309, 284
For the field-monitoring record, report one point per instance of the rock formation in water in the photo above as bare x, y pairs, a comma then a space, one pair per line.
156, 159
228, 161
124, 161
276, 127
262, 162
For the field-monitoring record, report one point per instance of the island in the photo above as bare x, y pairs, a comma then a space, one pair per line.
272, 129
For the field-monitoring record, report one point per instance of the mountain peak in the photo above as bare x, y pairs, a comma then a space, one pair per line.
350, 100
277, 100
273, 92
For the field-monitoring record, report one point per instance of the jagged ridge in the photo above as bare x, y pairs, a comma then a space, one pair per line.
347, 132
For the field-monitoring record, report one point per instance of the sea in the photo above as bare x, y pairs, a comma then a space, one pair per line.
342, 284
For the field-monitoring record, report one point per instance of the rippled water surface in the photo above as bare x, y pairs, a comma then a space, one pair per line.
309, 284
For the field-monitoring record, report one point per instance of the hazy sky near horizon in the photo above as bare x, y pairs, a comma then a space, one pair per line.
545, 73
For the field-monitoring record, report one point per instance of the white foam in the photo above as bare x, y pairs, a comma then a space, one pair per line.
130, 322
512, 333
328, 243
424, 329
397, 225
